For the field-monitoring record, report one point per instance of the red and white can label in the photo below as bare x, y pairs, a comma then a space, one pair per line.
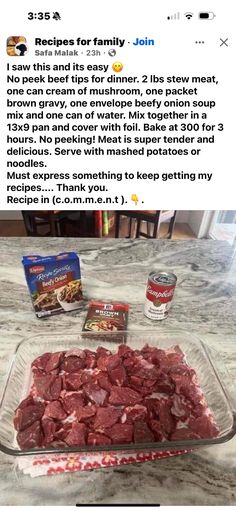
158, 298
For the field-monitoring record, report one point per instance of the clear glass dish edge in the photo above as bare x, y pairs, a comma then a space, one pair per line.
129, 448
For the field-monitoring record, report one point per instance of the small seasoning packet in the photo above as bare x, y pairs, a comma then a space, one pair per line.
106, 317
54, 283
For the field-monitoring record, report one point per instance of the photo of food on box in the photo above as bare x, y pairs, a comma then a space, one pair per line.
54, 283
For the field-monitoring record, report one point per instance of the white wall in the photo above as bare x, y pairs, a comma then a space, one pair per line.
182, 217
200, 222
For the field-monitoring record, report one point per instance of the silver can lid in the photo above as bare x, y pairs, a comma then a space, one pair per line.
163, 277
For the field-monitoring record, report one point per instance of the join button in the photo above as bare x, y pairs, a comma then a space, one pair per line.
143, 42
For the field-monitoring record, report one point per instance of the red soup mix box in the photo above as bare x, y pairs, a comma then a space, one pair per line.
54, 283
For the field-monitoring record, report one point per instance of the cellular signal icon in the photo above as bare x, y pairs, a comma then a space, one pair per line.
175, 16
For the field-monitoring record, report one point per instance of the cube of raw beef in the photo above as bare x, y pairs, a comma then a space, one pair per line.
164, 384
49, 429
124, 351
72, 364
181, 369
102, 363
185, 386
108, 362
106, 417
136, 383
171, 357
156, 428
30, 437
135, 413
180, 407
48, 386
113, 361
152, 405
62, 430
27, 415
145, 391
102, 352
204, 426
181, 380
76, 352
124, 396
72, 401
77, 435
142, 433
55, 389
146, 349
90, 360
73, 381
104, 382
118, 375
54, 410
95, 393
150, 384
121, 433
40, 362
29, 400
98, 439
144, 369
89, 377
129, 363
85, 412
54, 361
156, 355
199, 409
90, 353
167, 420
184, 434
42, 383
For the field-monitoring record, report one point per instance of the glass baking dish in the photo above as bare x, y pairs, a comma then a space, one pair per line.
213, 378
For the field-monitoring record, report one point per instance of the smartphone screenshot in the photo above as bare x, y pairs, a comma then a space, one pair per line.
117, 319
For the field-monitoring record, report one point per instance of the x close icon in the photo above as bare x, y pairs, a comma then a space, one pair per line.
224, 42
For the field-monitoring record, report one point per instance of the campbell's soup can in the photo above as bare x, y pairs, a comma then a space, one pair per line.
159, 294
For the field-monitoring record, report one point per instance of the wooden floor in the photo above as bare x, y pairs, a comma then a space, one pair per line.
16, 228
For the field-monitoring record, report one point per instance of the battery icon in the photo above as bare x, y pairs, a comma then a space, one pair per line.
206, 15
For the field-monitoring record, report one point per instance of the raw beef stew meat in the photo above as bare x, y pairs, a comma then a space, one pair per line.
82, 397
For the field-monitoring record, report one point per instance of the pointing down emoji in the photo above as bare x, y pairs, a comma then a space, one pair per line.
134, 198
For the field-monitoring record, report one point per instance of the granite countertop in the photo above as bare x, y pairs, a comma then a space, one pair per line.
204, 303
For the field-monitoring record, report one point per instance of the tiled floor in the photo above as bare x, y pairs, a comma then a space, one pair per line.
16, 228
181, 231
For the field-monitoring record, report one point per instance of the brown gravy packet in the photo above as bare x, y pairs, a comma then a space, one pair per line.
107, 317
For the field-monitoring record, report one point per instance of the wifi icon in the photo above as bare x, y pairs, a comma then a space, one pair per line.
188, 15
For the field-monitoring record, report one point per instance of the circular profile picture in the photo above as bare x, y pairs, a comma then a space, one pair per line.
17, 46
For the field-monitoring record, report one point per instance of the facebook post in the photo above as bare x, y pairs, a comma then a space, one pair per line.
92, 118
118, 322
